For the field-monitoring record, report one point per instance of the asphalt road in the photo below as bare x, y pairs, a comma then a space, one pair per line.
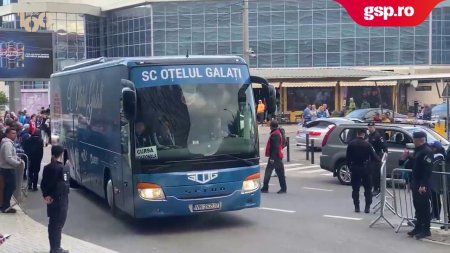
315, 216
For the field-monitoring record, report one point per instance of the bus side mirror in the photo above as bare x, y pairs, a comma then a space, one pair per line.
269, 92
129, 103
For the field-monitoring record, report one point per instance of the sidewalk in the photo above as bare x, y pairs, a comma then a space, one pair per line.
439, 236
29, 236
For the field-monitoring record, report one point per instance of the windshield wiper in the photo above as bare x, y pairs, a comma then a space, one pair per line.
237, 158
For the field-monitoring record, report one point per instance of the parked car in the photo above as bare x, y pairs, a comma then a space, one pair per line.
367, 114
318, 129
396, 135
439, 112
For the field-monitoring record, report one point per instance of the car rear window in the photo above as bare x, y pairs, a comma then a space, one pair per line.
348, 134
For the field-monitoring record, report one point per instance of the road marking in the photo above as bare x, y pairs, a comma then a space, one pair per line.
327, 174
317, 189
286, 164
277, 210
302, 168
292, 164
310, 171
342, 217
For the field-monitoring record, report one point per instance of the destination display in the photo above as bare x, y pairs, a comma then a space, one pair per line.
189, 74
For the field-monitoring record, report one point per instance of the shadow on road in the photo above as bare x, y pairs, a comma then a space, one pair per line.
166, 225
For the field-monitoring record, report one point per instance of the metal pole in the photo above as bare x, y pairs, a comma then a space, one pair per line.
245, 35
307, 147
445, 194
448, 109
312, 151
288, 149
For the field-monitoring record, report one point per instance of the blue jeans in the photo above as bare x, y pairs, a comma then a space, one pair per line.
9, 177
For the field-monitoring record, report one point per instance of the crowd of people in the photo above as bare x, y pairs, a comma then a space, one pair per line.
28, 134
21, 134
312, 113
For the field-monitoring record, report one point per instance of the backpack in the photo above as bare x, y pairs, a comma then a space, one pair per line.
283, 137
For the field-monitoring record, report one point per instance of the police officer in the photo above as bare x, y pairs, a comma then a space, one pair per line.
359, 154
55, 190
421, 165
379, 144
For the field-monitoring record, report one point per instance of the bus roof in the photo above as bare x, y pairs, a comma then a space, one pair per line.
102, 62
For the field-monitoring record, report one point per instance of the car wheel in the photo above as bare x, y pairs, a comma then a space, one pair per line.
343, 173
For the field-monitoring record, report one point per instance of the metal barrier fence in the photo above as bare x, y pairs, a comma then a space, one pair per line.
403, 199
383, 204
399, 198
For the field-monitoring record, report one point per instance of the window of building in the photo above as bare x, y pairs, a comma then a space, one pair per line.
298, 98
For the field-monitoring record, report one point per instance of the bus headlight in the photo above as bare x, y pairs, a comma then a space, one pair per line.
148, 191
251, 183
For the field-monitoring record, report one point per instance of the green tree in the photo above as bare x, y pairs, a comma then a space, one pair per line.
3, 98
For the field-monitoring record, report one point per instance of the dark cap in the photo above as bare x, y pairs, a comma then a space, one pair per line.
419, 134
436, 144
274, 124
371, 123
361, 131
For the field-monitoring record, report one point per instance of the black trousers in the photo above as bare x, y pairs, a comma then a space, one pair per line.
9, 178
279, 169
361, 176
376, 175
33, 172
57, 213
260, 117
422, 206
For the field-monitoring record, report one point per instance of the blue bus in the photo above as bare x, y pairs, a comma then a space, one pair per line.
165, 136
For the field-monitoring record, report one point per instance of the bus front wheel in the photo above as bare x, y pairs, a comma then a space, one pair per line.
109, 191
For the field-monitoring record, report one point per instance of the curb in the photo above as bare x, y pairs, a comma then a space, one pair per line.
436, 242
24, 228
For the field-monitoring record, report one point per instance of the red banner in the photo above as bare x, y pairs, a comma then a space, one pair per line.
389, 12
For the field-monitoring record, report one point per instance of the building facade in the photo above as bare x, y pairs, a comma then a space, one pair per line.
284, 34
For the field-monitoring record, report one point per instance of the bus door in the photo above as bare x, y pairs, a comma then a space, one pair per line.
127, 173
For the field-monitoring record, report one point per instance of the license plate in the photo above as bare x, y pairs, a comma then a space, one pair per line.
206, 207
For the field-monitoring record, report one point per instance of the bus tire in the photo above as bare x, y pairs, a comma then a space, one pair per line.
73, 183
109, 194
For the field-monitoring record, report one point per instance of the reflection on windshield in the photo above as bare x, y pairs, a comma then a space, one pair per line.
177, 122
431, 136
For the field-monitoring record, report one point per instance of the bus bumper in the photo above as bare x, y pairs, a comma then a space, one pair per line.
174, 206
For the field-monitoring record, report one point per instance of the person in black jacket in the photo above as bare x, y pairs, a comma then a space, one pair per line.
274, 150
421, 164
34, 149
379, 144
55, 190
359, 155
439, 157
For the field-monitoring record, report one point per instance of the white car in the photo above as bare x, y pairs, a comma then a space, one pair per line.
318, 129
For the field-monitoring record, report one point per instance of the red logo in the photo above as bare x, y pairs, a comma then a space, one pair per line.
389, 12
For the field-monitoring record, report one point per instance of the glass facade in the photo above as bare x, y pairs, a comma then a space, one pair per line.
33, 85
93, 36
283, 33
129, 32
7, 2
441, 35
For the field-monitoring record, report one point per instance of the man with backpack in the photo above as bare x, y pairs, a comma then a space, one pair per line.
274, 150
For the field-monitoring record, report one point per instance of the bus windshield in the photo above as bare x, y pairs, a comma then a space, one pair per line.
177, 122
